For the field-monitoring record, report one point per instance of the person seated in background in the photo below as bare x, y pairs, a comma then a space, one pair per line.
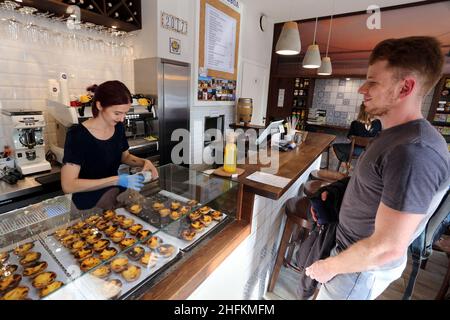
364, 126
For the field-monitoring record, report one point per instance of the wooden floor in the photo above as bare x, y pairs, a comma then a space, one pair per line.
427, 285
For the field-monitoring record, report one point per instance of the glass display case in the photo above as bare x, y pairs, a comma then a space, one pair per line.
48, 251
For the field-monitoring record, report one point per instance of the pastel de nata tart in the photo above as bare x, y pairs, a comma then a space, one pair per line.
23, 249
206, 219
111, 229
108, 253
78, 245
136, 253
135, 208
192, 202
89, 263
184, 210
87, 232
7, 270
119, 218
135, 228
164, 212
188, 234
154, 242
35, 268
111, 289
197, 225
19, 293
175, 215
131, 273
204, 209
118, 236
10, 282
4, 256
52, 287
216, 215
102, 225
109, 214
175, 205
101, 245
195, 215
149, 259
44, 279
127, 242
102, 272
83, 253
126, 223
79, 225
61, 233
119, 264
166, 250
94, 238
158, 206
30, 257
70, 239
142, 234
92, 220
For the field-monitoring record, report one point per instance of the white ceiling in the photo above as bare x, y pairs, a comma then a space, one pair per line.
286, 10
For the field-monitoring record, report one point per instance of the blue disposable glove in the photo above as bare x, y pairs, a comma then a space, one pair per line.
134, 181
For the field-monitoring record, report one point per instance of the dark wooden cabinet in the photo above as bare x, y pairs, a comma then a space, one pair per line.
126, 15
439, 114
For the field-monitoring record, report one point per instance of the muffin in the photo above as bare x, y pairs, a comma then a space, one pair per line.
175, 205
109, 215
43, 280
111, 289
127, 242
30, 257
188, 234
102, 272
23, 249
135, 209
101, 245
157, 206
166, 250
206, 219
83, 253
154, 242
136, 253
135, 228
35, 268
149, 259
142, 234
111, 229
126, 223
108, 253
216, 215
164, 212
10, 282
19, 293
119, 264
175, 215
89, 263
118, 236
131, 273
52, 287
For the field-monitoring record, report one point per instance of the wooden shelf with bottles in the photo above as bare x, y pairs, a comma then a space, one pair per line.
302, 93
439, 114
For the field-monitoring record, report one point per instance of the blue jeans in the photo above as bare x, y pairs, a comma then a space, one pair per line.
366, 285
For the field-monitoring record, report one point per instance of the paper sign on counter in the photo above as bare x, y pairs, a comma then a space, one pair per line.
269, 179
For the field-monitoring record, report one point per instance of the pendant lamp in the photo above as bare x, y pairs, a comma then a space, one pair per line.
326, 68
312, 57
289, 40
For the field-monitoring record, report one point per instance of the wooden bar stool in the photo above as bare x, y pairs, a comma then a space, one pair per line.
443, 245
296, 229
327, 175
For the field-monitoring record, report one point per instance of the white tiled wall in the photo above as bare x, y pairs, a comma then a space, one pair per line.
26, 67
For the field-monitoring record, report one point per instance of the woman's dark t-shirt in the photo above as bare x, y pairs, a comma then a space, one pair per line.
98, 159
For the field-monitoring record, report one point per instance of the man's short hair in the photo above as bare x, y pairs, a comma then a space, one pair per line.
421, 56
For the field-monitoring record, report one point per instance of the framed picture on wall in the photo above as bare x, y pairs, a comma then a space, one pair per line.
175, 46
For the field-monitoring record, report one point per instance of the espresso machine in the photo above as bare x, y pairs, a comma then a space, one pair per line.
26, 129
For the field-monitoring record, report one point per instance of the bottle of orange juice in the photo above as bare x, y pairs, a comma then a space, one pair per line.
230, 158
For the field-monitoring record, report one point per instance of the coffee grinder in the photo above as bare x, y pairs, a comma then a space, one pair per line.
26, 128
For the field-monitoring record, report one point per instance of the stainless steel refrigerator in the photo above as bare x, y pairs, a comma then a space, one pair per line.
168, 82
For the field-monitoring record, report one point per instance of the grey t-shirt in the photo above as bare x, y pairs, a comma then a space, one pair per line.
403, 168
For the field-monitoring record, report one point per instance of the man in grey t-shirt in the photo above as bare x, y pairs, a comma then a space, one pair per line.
386, 204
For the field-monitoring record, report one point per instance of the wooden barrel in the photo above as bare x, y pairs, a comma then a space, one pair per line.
244, 110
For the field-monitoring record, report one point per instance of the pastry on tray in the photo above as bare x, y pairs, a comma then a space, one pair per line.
166, 250
70, 239
89, 263
175, 215
78, 245
206, 219
126, 223
102, 225
119, 264
131, 273
204, 210
119, 218
109, 214
111, 229
35, 268
4, 256
52, 287
61, 233
118, 236
87, 232
79, 225
149, 259
44, 279
164, 212
195, 215
136, 253
135, 228
184, 210
142, 234
94, 238
108, 253
216, 215
197, 225
102, 272
7, 270
192, 202
175, 205
92, 220
135, 208
158, 206
188, 234
10, 282
127, 242
30, 257
23, 249
111, 289
101, 245
83, 253
19, 293
154, 242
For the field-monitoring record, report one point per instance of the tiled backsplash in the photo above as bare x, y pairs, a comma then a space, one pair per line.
341, 100
26, 67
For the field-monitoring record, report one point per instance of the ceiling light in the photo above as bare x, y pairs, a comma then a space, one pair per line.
312, 57
289, 40
326, 68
